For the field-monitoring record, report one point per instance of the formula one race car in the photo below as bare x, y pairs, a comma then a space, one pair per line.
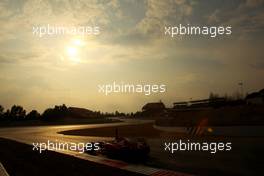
124, 148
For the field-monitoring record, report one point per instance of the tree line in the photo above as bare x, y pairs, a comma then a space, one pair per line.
18, 113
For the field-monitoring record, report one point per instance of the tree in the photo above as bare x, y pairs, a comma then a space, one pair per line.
17, 112
213, 96
47, 113
33, 115
7, 114
117, 114
1, 112
56, 113
237, 95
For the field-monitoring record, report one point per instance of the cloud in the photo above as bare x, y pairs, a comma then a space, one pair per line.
131, 46
73, 12
17, 57
253, 3
246, 18
4, 10
258, 65
157, 14
161, 13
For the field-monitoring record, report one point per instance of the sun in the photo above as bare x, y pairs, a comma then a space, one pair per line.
78, 42
74, 50
73, 54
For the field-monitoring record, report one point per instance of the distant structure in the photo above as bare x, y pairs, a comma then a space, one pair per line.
255, 98
205, 103
155, 108
179, 105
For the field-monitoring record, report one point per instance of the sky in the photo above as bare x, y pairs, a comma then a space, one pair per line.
40, 72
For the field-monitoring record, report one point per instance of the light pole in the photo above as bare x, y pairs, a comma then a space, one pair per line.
241, 89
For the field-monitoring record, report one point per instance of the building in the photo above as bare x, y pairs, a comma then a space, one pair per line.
154, 108
255, 98
179, 105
